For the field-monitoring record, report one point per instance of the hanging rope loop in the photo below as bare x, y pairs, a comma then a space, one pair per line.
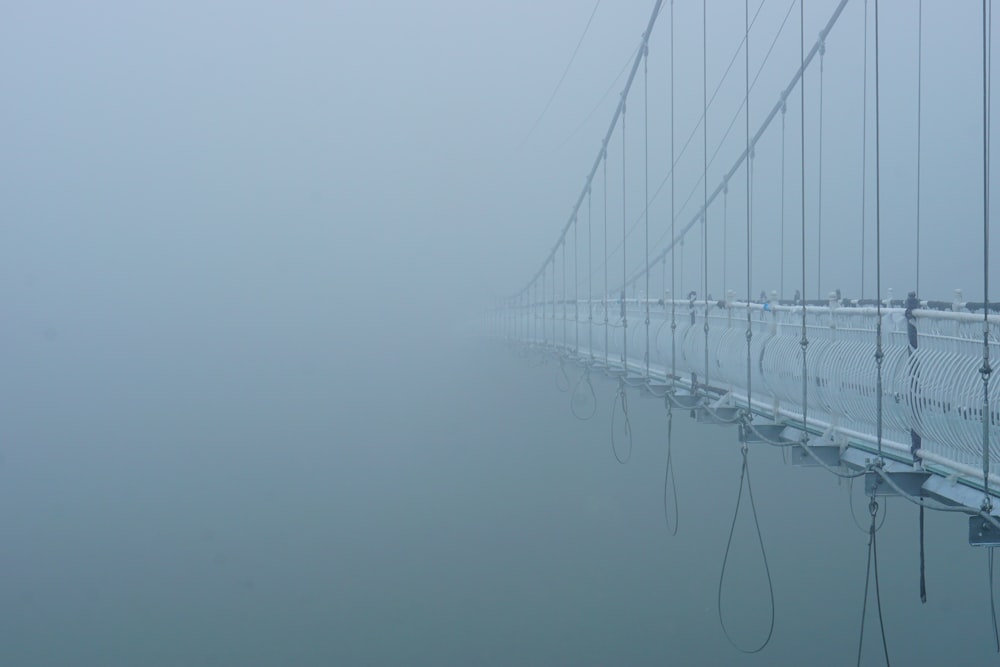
668, 476
621, 398
872, 566
745, 477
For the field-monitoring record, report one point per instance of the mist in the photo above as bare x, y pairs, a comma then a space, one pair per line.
246, 417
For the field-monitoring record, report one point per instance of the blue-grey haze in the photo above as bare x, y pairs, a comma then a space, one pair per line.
240, 421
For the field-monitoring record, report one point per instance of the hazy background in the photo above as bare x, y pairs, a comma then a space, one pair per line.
240, 243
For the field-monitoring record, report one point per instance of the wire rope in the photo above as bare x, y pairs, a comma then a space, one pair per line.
668, 475
562, 78
621, 398
872, 560
745, 476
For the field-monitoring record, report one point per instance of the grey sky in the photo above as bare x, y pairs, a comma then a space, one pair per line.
316, 147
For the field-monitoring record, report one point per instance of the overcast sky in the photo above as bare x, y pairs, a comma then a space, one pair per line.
185, 159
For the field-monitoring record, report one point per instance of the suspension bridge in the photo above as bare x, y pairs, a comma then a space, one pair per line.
898, 390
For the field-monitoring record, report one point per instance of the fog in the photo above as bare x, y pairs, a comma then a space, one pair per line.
242, 417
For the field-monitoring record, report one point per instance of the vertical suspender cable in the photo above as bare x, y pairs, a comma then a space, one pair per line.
545, 329
985, 371
554, 298
873, 504
605, 159
565, 341
725, 237
878, 258
704, 174
864, 150
819, 191
673, 218
920, 57
645, 154
590, 279
781, 277
746, 82
624, 267
576, 287
804, 341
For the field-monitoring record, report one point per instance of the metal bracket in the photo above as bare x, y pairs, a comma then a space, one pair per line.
772, 434
982, 533
684, 401
910, 481
827, 452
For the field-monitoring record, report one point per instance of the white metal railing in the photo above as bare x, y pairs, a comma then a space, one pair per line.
933, 390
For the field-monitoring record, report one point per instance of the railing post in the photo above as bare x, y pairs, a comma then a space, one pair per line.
912, 303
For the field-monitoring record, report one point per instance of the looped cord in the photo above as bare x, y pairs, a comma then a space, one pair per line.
577, 397
872, 559
668, 476
745, 475
621, 397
